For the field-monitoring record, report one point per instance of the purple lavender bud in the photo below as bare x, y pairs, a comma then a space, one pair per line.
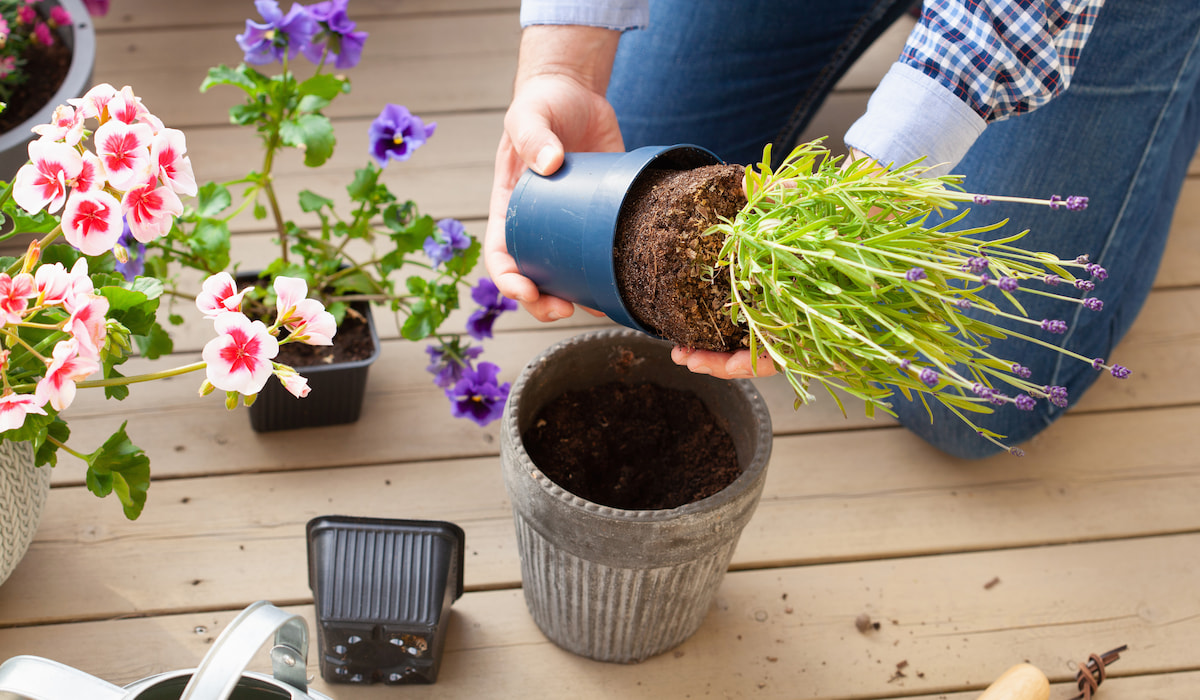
928, 376
982, 199
1098, 273
914, 274
1007, 284
963, 304
1057, 395
1093, 304
979, 389
1052, 280
1016, 452
985, 278
1098, 363
1054, 326
1021, 371
1083, 259
977, 265
1025, 402
1055, 201
905, 363
997, 398
1120, 372
1085, 285
1076, 203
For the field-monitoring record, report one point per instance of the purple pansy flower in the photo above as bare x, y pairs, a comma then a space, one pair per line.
396, 133
491, 305
334, 33
444, 244
478, 395
267, 42
446, 367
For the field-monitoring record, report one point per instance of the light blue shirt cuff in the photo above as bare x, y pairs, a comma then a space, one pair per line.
910, 115
609, 14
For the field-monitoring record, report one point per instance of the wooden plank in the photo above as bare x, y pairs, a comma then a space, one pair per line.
187, 435
232, 14
872, 494
431, 63
785, 633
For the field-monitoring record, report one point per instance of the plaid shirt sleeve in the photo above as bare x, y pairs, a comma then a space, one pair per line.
1001, 57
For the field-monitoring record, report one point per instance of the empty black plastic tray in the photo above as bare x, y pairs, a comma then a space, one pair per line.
382, 590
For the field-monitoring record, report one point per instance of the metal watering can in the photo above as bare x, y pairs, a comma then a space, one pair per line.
221, 675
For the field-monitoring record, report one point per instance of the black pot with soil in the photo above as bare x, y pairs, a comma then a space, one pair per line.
336, 374
631, 480
623, 233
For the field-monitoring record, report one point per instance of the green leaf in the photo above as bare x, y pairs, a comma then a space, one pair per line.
210, 242
212, 199
422, 321
325, 86
312, 133
134, 308
362, 188
156, 343
120, 467
311, 201
224, 75
466, 260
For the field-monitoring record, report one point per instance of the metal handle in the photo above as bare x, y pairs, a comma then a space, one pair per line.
222, 667
35, 678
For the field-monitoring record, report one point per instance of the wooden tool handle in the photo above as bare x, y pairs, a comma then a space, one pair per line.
1021, 682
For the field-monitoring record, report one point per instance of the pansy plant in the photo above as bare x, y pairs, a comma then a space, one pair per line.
342, 256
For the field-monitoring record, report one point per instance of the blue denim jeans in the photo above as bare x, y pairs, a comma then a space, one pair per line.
1123, 135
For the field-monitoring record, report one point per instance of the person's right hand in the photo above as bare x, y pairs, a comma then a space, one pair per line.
558, 105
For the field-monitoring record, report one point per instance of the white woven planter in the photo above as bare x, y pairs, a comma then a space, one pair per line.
23, 491
623, 585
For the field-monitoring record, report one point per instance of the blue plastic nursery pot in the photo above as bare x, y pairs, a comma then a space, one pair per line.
561, 228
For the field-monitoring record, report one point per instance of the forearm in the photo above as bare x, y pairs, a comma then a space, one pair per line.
580, 53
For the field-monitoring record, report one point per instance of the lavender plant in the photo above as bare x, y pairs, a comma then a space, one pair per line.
840, 281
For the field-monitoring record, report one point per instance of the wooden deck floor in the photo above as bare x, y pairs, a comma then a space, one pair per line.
1090, 542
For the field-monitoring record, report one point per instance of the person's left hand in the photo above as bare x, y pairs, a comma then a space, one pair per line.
723, 365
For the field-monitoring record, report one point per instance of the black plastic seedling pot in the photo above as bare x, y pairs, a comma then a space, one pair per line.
561, 228
382, 590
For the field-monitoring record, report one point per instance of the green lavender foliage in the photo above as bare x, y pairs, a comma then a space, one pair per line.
839, 281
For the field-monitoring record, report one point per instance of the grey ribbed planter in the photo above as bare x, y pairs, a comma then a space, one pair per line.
622, 585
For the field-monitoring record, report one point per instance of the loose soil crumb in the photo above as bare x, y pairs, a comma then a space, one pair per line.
666, 267
632, 446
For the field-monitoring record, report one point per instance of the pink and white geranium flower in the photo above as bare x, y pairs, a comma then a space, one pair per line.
67, 366
128, 108
92, 221
55, 283
306, 319
87, 322
239, 358
168, 152
66, 125
42, 183
293, 381
219, 294
14, 407
94, 103
150, 210
15, 293
124, 151
91, 175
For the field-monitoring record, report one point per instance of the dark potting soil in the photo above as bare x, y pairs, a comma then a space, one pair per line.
632, 446
351, 343
666, 267
47, 67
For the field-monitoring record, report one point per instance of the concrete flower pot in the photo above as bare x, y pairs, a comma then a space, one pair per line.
623, 585
560, 229
23, 492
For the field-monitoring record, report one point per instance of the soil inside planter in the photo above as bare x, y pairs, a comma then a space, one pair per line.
632, 446
351, 344
47, 67
665, 266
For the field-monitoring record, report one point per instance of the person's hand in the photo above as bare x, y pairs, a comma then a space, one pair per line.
558, 105
723, 365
